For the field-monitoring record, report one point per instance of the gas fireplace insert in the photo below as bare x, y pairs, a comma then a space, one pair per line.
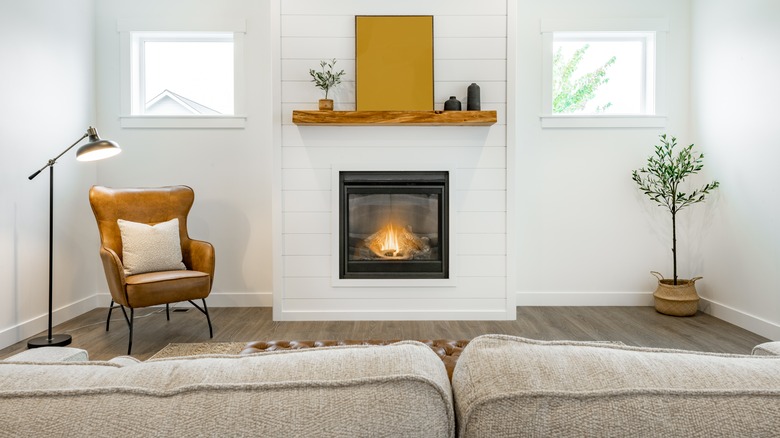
394, 224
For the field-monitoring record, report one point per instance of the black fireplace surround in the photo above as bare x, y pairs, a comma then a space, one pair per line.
394, 225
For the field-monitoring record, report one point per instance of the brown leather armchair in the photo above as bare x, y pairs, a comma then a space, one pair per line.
151, 206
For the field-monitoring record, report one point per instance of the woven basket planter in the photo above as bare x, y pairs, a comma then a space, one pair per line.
676, 300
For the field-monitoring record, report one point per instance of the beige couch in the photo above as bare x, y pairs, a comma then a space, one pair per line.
397, 390
502, 386
508, 386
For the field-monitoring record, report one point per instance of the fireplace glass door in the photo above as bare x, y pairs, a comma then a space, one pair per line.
393, 225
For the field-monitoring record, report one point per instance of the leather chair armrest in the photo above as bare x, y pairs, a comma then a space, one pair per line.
115, 275
202, 257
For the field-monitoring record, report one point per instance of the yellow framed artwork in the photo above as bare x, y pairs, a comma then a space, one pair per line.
394, 62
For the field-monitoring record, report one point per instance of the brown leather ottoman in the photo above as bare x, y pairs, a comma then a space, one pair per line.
448, 350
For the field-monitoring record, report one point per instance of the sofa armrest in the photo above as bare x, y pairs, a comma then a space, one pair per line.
50, 354
767, 349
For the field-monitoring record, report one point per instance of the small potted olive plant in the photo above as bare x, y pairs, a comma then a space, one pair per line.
325, 80
660, 181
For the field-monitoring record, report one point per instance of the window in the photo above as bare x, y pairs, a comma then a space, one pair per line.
602, 74
182, 77
179, 73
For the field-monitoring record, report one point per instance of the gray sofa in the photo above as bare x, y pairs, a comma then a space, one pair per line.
502, 386
397, 390
509, 386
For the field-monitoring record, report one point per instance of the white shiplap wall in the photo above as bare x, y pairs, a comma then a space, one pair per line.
470, 45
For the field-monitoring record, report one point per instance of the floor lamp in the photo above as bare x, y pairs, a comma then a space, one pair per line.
96, 149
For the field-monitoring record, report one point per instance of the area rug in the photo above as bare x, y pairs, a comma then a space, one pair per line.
193, 348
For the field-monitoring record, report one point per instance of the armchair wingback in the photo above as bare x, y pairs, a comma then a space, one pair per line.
151, 206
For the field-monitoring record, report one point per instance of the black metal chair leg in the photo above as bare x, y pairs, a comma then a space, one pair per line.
130, 341
127, 320
110, 308
205, 311
129, 324
208, 318
167, 312
131, 318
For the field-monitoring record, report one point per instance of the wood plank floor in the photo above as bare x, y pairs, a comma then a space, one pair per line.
641, 326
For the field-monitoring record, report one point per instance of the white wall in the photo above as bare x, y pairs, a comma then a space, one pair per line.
47, 102
470, 45
736, 60
229, 169
586, 235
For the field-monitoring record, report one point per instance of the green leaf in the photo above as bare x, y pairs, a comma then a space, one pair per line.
569, 94
326, 79
666, 170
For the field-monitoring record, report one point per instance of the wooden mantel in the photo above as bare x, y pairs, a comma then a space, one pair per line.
395, 118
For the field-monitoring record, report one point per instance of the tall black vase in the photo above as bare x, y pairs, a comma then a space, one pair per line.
472, 102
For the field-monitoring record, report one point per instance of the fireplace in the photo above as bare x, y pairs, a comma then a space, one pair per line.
393, 225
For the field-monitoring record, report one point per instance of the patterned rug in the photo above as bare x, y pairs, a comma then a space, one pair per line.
193, 348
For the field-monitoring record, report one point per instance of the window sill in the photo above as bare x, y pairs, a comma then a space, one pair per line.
574, 121
183, 122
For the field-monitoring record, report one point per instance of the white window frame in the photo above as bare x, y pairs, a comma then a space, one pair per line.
130, 84
620, 28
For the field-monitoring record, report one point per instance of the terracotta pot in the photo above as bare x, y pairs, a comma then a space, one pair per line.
326, 104
676, 300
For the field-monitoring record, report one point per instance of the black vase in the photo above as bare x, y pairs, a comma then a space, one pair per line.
452, 104
472, 102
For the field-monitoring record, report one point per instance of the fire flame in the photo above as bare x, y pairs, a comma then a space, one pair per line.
393, 241
390, 243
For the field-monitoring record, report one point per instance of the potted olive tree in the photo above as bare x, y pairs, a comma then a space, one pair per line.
325, 80
660, 181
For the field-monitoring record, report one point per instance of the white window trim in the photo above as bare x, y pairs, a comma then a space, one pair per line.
128, 120
550, 120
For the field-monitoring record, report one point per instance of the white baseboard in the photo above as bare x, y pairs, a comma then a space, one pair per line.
584, 299
739, 318
33, 326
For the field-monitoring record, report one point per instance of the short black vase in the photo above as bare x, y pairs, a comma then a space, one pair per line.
452, 104
472, 102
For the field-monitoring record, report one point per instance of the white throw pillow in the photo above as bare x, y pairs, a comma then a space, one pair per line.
150, 248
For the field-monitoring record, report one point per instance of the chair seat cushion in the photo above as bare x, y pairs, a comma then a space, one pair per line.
153, 288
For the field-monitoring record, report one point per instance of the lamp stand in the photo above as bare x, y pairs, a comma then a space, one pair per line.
96, 149
50, 340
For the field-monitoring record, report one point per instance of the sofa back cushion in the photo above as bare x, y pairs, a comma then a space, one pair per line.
508, 386
397, 390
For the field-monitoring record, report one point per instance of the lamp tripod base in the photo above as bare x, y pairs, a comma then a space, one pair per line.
44, 341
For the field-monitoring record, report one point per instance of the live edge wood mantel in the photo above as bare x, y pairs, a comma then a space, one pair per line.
395, 118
